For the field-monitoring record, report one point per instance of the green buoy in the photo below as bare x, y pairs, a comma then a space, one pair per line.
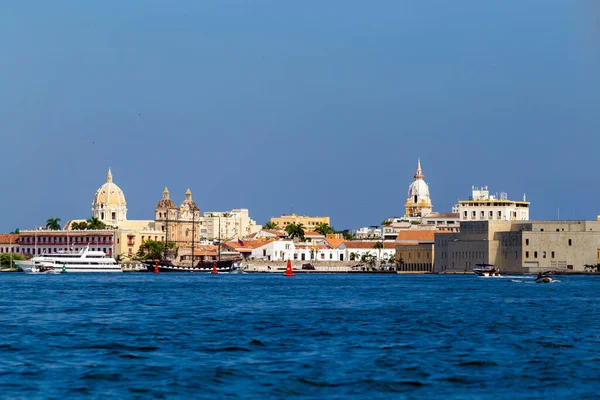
64, 269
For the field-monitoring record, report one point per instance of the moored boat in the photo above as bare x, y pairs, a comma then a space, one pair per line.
223, 266
486, 271
84, 260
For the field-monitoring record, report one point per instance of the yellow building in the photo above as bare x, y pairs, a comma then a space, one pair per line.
415, 256
308, 222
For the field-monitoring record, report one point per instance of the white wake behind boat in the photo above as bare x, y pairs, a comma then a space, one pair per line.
84, 260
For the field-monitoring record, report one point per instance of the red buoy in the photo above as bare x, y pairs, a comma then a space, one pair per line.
288, 269
156, 267
214, 270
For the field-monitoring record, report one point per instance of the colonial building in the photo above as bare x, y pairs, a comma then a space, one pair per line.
227, 225
182, 225
9, 243
309, 223
415, 251
481, 206
35, 242
418, 203
519, 246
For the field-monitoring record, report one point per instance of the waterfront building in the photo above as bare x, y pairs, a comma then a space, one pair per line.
519, 246
308, 222
9, 243
415, 250
355, 249
182, 223
481, 206
40, 241
418, 204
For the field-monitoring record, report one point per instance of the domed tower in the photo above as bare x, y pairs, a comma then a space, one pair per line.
188, 210
165, 209
418, 203
109, 204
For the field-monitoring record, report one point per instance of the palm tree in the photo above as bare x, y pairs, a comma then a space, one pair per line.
378, 246
53, 224
324, 229
295, 231
271, 225
95, 223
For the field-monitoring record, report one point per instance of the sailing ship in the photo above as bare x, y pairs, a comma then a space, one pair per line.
220, 265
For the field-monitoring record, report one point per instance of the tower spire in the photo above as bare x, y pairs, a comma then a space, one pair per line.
166, 193
109, 176
188, 194
419, 172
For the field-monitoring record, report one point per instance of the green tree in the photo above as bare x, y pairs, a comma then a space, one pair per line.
354, 256
295, 231
5, 259
271, 225
15, 232
378, 246
53, 224
79, 226
154, 250
324, 229
95, 223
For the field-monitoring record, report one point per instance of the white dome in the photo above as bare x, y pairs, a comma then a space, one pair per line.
418, 188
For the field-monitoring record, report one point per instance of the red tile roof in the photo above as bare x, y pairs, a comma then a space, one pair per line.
362, 244
334, 243
418, 235
7, 238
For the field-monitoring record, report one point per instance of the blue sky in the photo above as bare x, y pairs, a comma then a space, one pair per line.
313, 107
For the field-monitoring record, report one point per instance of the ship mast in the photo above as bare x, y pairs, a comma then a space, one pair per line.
166, 234
193, 231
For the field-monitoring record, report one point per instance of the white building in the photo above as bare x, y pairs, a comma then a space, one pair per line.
283, 250
368, 232
227, 225
354, 250
482, 206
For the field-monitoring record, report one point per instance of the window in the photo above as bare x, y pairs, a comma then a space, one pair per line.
570, 242
491, 215
483, 215
543, 254
526, 242
465, 215
552, 254
114, 215
526, 254
535, 254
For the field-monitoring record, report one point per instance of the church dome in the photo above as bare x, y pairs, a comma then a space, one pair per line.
109, 203
418, 188
109, 194
165, 202
188, 202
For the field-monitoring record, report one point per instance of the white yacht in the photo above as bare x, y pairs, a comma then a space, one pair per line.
84, 260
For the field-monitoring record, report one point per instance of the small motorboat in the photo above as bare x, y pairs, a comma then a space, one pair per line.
43, 269
486, 271
236, 268
544, 277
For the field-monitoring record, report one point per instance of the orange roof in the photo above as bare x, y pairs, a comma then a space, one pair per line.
275, 232
334, 243
7, 238
363, 244
248, 244
418, 235
311, 233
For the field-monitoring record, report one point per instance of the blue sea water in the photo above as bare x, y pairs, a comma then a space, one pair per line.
319, 336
